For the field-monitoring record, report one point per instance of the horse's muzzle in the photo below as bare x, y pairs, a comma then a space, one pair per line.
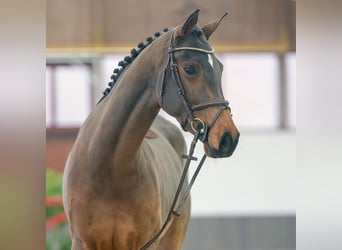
226, 147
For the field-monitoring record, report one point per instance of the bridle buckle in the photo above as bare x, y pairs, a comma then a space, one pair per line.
174, 66
200, 127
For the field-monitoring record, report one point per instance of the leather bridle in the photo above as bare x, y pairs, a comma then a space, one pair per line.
196, 123
199, 128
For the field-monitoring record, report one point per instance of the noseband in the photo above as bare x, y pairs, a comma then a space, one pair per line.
197, 125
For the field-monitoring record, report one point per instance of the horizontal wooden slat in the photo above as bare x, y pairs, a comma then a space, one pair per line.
219, 48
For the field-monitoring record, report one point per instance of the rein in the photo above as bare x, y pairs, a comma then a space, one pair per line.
199, 128
173, 210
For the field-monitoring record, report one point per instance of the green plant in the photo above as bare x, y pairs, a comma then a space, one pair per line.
57, 238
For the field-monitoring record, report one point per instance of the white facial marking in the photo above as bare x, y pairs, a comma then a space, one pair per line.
210, 60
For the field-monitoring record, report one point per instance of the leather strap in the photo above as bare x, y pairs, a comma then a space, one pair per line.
189, 109
211, 51
210, 104
201, 132
173, 212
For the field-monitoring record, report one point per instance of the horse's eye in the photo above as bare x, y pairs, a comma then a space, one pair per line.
190, 70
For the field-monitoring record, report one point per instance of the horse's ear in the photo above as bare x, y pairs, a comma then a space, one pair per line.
209, 28
188, 26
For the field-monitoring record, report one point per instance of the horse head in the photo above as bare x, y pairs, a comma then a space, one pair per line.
190, 87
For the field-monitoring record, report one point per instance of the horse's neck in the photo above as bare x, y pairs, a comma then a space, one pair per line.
133, 109
126, 116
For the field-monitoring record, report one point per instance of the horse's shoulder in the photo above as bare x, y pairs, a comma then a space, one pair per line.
166, 128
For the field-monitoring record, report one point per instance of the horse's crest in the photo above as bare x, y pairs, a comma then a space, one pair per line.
127, 60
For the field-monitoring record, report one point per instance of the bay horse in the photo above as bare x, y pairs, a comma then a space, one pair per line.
122, 173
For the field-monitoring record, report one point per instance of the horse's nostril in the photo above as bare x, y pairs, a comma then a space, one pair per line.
226, 143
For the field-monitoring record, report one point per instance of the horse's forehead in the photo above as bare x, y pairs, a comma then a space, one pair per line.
205, 59
210, 60
197, 40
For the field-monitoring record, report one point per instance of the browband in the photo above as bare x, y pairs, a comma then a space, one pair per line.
192, 48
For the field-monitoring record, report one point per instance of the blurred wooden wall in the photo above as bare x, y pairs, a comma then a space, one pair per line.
264, 24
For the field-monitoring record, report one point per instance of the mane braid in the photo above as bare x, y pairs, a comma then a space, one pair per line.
126, 61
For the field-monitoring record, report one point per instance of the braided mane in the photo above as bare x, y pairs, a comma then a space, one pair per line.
126, 61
